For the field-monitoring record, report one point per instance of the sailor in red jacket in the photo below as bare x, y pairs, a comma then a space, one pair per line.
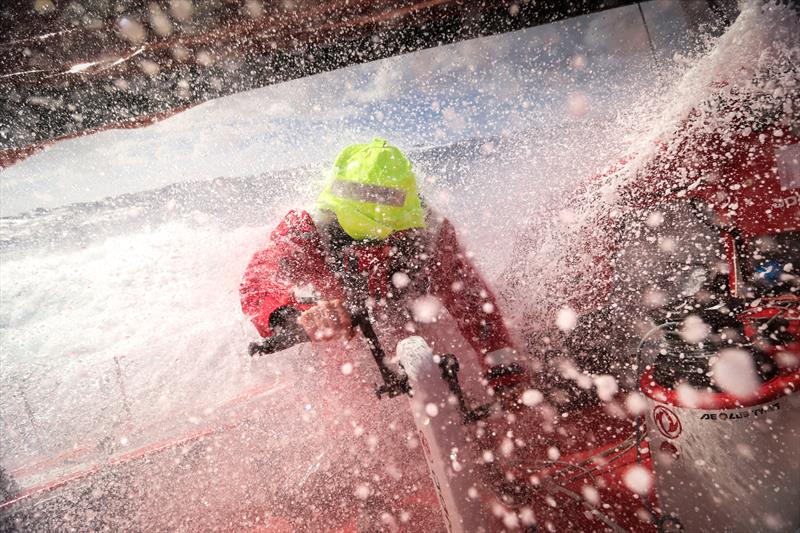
371, 232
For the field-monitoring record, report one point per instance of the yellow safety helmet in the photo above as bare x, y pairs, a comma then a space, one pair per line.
373, 191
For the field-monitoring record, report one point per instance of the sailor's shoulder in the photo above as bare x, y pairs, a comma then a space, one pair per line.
296, 224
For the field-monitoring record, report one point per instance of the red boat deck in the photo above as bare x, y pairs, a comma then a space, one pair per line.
222, 478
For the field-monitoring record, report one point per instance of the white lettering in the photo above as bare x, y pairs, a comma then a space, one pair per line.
787, 201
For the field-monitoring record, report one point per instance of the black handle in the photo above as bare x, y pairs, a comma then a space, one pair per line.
449, 365
394, 383
276, 343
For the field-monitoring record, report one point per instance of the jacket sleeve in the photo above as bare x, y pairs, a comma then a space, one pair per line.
291, 259
466, 296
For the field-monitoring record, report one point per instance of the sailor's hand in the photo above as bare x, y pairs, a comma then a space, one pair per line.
326, 321
508, 383
510, 397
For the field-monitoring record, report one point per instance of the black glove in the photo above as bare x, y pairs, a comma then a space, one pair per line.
286, 332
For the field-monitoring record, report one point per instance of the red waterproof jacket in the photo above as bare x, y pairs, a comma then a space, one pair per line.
298, 267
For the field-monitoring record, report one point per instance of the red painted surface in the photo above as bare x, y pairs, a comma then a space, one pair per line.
91, 467
745, 191
786, 307
779, 386
596, 450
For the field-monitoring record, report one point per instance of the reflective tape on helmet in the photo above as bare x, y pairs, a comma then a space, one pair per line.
362, 192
